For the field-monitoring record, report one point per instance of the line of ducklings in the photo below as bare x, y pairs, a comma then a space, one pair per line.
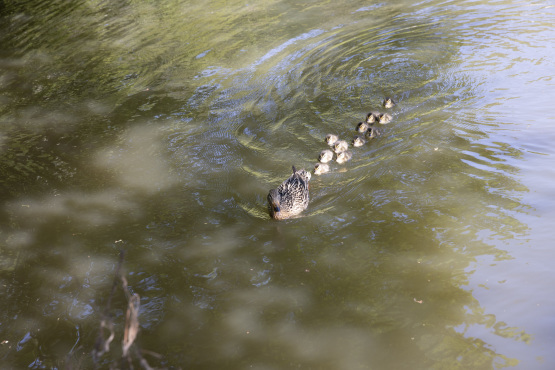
341, 147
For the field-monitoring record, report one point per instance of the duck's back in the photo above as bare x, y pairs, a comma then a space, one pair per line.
294, 192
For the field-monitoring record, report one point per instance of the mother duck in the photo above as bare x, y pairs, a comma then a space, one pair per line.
291, 197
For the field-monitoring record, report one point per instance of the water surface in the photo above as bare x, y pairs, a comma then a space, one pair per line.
158, 129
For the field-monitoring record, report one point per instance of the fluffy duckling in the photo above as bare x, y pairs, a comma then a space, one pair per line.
340, 146
325, 156
331, 139
385, 118
358, 141
372, 133
388, 102
372, 117
344, 157
362, 127
321, 168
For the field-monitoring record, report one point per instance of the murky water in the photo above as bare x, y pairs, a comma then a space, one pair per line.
158, 129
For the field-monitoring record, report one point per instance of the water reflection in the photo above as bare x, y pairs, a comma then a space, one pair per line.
177, 163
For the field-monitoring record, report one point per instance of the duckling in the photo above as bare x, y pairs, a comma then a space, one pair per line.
362, 127
331, 139
291, 197
385, 118
344, 157
372, 117
325, 156
388, 102
340, 146
321, 168
358, 141
372, 133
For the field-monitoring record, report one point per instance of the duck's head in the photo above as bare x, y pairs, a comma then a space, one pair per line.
372, 133
388, 102
385, 118
340, 146
344, 157
274, 200
321, 168
358, 141
325, 156
331, 139
362, 126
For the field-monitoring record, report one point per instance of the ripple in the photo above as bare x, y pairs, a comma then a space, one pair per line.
261, 119
275, 113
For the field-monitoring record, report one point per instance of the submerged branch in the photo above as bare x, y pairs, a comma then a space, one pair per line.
131, 326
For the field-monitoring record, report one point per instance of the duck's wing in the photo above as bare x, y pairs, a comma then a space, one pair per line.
293, 184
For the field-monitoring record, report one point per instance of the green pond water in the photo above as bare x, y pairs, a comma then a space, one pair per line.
139, 140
